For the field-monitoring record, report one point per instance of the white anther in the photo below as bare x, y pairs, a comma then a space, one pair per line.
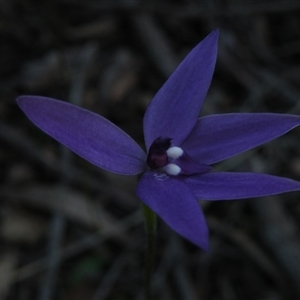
174, 152
172, 169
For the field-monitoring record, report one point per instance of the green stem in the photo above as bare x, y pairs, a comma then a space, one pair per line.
150, 224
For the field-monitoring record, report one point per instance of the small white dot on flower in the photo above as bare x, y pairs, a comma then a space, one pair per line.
174, 152
161, 176
172, 169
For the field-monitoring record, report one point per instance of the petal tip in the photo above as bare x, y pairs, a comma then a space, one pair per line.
20, 99
24, 99
216, 31
214, 35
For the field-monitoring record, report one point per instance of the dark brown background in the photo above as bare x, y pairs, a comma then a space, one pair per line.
71, 231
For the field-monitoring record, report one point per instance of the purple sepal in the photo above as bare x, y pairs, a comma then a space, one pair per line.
218, 137
230, 186
174, 202
174, 110
87, 134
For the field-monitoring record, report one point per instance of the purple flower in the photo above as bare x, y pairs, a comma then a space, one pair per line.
180, 146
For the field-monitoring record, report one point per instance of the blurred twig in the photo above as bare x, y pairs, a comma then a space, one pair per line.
24, 146
281, 235
249, 246
192, 10
58, 221
156, 44
77, 248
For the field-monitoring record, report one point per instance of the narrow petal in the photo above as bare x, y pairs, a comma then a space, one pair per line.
229, 186
189, 166
218, 137
174, 110
87, 134
174, 202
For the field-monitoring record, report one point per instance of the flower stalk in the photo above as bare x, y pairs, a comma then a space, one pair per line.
150, 227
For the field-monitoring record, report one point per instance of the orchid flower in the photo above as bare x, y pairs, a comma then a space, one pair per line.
180, 146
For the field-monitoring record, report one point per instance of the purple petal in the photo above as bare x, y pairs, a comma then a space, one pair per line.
87, 134
174, 202
229, 186
218, 137
174, 110
189, 167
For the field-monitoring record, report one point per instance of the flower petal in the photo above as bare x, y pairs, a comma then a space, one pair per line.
174, 110
229, 186
174, 202
87, 134
189, 166
218, 137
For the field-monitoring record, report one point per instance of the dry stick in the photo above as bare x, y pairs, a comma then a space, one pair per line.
281, 234
277, 82
150, 229
172, 261
156, 44
103, 290
160, 276
23, 145
57, 229
87, 243
236, 8
114, 272
58, 221
248, 245
181, 274
167, 262
254, 76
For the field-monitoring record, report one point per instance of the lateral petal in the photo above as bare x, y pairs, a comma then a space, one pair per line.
87, 134
174, 202
174, 110
217, 137
231, 185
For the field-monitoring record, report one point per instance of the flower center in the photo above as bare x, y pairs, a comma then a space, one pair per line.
162, 156
157, 155
172, 160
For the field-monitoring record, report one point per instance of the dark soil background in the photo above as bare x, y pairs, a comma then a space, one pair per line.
70, 231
